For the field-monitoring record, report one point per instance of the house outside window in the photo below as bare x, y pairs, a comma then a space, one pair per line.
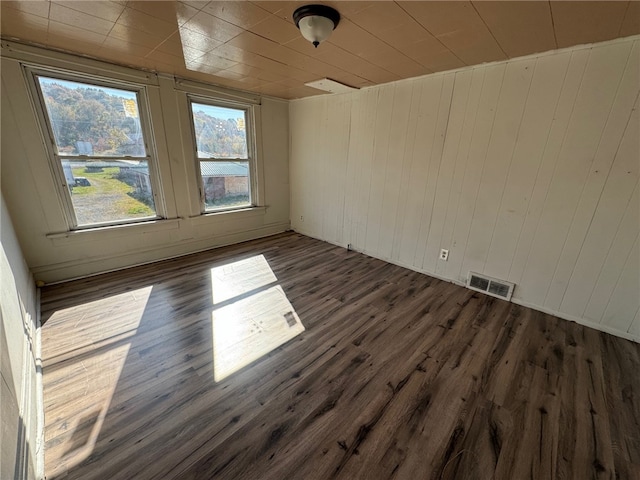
100, 144
224, 148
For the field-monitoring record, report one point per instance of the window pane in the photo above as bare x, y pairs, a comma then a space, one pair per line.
220, 132
109, 191
226, 184
92, 120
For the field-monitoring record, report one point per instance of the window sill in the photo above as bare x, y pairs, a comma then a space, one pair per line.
223, 215
112, 231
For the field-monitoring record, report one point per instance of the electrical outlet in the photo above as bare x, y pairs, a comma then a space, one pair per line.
444, 254
301, 218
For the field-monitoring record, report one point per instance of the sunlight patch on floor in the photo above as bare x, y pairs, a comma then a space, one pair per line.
112, 323
253, 317
238, 278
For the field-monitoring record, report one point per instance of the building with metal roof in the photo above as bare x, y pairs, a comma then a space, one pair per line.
224, 169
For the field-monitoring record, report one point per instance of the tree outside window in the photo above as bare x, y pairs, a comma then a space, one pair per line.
223, 155
100, 145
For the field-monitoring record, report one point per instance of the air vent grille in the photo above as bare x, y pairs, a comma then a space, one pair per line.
490, 286
479, 283
499, 289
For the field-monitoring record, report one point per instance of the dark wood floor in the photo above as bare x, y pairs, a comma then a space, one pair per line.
396, 375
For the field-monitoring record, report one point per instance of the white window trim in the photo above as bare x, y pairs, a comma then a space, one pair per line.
215, 92
112, 232
65, 62
252, 149
31, 71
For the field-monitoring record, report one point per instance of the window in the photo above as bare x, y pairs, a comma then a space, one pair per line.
100, 150
224, 149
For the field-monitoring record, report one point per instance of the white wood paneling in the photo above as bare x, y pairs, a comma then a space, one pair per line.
20, 373
616, 197
400, 114
614, 262
526, 161
378, 167
574, 69
446, 168
634, 330
433, 172
504, 133
588, 118
334, 188
483, 122
611, 149
407, 149
460, 174
525, 170
430, 127
361, 158
623, 303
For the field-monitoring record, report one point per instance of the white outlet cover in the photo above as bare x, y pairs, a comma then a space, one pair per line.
444, 254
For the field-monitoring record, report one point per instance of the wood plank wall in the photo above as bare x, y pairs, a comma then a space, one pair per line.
526, 170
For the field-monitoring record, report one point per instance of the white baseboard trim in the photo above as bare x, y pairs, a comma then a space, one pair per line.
73, 270
555, 313
581, 321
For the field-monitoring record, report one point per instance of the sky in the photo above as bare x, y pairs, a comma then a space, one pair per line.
218, 112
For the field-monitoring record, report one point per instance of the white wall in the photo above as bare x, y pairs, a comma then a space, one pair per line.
21, 453
526, 170
53, 253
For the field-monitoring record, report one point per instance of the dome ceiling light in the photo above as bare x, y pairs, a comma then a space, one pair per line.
316, 22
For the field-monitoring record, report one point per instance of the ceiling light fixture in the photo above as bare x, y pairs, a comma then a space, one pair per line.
316, 22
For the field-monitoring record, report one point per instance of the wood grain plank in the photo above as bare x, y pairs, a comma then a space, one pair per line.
587, 22
396, 375
519, 28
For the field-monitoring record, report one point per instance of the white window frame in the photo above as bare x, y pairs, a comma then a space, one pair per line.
250, 122
55, 160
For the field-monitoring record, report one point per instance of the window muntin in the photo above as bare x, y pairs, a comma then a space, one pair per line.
99, 144
223, 150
